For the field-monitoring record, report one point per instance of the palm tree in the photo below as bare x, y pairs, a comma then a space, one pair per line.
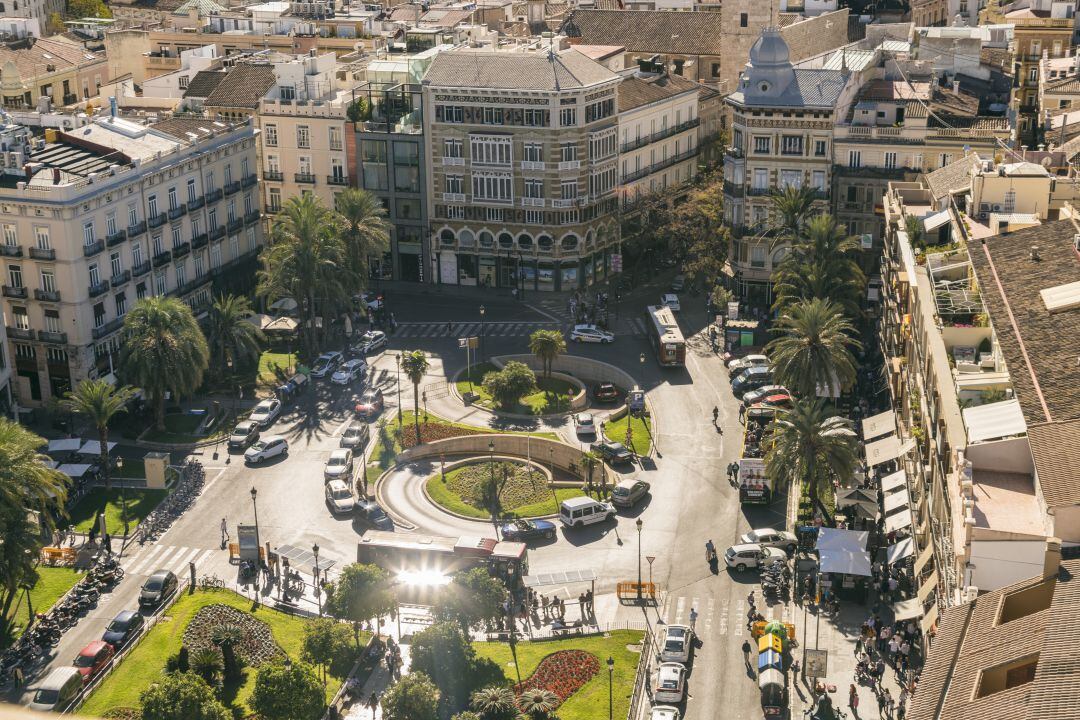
415, 364
227, 636
821, 266
793, 207
547, 345
494, 703
306, 260
207, 663
165, 351
232, 339
810, 445
99, 402
366, 232
812, 350
538, 704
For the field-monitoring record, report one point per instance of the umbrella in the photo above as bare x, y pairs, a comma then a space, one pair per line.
285, 304
281, 324
65, 444
93, 447
259, 320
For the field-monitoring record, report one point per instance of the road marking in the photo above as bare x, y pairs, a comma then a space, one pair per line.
181, 560
141, 560
709, 613
679, 607
341, 427
722, 630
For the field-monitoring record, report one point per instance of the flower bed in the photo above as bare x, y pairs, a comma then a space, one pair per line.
563, 672
431, 431
257, 646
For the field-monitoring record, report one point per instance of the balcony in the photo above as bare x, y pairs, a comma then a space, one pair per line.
93, 248
214, 196
447, 160
217, 233
52, 338
532, 165
532, 202
20, 333
568, 202
337, 180
15, 291
120, 278
661, 165
162, 258
453, 197
140, 269
192, 285
157, 220
108, 328
248, 180
70, 98
11, 250
196, 203
758, 191
42, 253
137, 229
569, 164
660, 135
733, 189
47, 295
177, 212
251, 218
232, 188
273, 176
181, 250
98, 289
116, 238
199, 241
306, 178
235, 225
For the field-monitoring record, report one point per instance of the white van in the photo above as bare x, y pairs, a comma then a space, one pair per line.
580, 511
58, 690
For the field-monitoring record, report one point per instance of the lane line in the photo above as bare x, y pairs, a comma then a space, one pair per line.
140, 561
182, 560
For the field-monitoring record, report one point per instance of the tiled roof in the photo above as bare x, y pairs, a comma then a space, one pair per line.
184, 127
635, 91
1039, 347
243, 86
663, 31
953, 177
515, 71
1055, 448
1064, 85
33, 57
204, 83
444, 18
406, 13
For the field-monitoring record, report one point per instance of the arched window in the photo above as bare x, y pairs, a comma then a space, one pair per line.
506, 240
544, 242
570, 242
447, 237
589, 239
486, 239
525, 241
467, 238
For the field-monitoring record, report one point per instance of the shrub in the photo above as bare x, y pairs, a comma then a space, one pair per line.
508, 385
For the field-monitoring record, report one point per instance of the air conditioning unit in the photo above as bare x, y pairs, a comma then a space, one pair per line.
997, 208
984, 216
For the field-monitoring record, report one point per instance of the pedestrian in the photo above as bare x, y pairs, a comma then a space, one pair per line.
883, 639
750, 599
750, 618
108, 544
589, 597
693, 618
742, 413
544, 605
224, 532
890, 704
17, 674
894, 648
92, 535
853, 698
881, 704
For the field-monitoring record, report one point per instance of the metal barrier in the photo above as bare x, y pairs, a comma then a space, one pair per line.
642, 676
634, 591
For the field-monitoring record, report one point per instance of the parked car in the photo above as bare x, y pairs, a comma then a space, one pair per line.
628, 492
605, 392
671, 300
678, 640
613, 452
755, 396
265, 448
751, 555
737, 365
123, 627
326, 364
584, 424
266, 412
245, 433
767, 537
670, 683
339, 497
370, 300
349, 372
591, 333
777, 400
665, 712
339, 466
373, 514
678, 283
522, 530
579, 511
370, 403
355, 436
369, 342
157, 588
57, 690
752, 378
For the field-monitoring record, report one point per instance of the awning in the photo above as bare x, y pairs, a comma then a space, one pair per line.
896, 501
879, 425
559, 578
899, 521
843, 551
994, 421
301, 559
929, 620
65, 444
933, 222
281, 324
886, 450
927, 587
899, 551
894, 481
259, 320
93, 447
924, 557
74, 470
907, 610
285, 304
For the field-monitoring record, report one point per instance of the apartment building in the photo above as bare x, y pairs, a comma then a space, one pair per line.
524, 164
102, 216
33, 68
39, 10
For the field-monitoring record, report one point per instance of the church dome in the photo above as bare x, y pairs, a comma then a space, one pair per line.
769, 49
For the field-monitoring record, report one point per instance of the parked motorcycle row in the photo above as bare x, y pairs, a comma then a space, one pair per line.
776, 581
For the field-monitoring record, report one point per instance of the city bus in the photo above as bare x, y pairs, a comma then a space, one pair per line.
426, 557
666, 337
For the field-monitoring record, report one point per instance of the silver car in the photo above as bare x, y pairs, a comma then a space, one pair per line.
767, 537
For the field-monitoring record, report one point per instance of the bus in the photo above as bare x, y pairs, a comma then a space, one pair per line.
411, 555
666, 336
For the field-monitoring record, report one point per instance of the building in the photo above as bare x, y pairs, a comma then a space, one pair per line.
237, 95
39, 10
524, 162
95, 219
7, 396
64, 72
1059, 94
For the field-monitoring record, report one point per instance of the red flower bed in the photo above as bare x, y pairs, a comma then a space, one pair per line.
432, 431
563, 673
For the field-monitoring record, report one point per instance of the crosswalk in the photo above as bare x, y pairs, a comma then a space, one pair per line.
166, 557
716, 613
630, 326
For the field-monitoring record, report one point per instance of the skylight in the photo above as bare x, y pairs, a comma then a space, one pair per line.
1061, 297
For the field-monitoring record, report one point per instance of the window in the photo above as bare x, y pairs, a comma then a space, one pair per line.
116, 264
95, 275
452, 148
288, 92
1033, 74
492, 187
200, 264
210, 186
491, 150
274, 199
568, 189
945, 159
181, 275
599, 110
792, 178
757, 256
156, 244
450, 113
212, 220
303, 136
172, 197
495, 215
228, 174
603, 182
337, 171
762, 145
110, 225
41, 237
852, 194
140, 291
121, 304
744, 19
151, 202
492, 116
1008, 675
133, 215
99, 314
534, 152
11, 238
191, 190
22, 319
454, 184
88, 233
304, 162
215, 255
854, 158
373, 162
819, 180
890, 160
161, 284
569, 152
819, 148
52, 321
602, 146
761, 179
15, 276
136, 255
716, 69
534, 188
177, 237
568, 117
535, 118
534, 217
791, 145
455, 212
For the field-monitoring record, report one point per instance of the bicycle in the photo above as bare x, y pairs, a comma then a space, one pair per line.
211, 582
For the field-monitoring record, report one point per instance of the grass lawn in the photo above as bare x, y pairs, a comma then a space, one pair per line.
180, 429
588, 702
520, 497
139, 505
146, 661
273, 366
640, 431
132, 469
551, 396
52, 583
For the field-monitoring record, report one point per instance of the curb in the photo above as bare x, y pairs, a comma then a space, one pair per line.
468, 460
452, 385
377, 492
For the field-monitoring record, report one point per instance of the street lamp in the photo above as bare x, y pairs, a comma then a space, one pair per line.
258, 541
491, 461
610, 674
123, 495
398, 356
481, 333
639, 523
318, 593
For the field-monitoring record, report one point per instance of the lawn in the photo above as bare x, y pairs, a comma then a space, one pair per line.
133, 469
551, 395
139, 504
146, 661
520, 497
640, 432
591, 700
274, 366
180, 430
52, 583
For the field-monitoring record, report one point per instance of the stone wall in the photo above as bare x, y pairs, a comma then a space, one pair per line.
540, 450
583, 369
814, 36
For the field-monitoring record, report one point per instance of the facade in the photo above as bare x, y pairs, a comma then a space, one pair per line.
98, 219
32, 68
524, 163
1045, 27
39, 10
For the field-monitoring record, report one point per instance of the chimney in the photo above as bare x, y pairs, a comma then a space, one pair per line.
1052, 558
1035, 256
56, 176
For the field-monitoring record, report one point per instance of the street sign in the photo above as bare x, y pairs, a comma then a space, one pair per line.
649, 559
733, 310
816, 663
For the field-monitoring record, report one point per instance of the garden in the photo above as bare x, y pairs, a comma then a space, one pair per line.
506, 490
516, 389
139, 504
640, 432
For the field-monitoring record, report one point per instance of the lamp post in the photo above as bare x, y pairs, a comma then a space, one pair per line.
610, 698
258, 541
318, 591
521, 277
398, 356
481, 333
423, 397
639, 523
491, 461
123, 494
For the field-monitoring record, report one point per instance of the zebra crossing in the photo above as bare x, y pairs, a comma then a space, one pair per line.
724, 616
459, 329
166, 557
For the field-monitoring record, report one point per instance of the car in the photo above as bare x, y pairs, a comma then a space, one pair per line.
266, 412
628, 492
591, 333
671, 300
339, 497
57, 690
670, 682
349, 372
751, 379
767, 537
755, 396
521, 530
370, 300
370, 403
245, 433
605, 392
373, 514
613, 452
678, 640
123, 627
584, 424
356, 435
369, 342
579, 511
326, 364
678, 283
750, 555
265, 448
737, 365
157, 588
779, 400
665, 712
339, 466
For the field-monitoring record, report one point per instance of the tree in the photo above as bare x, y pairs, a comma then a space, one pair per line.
792, 207
698, 223
443, 653
233, 340
88, 8
538, 704
358, 110
494, 703
415, 365
227, 636
914, 228
413, 697
811, 354
508, 385
720, 297
361, 592
547, 345
206, 663
181, 696
366, 232
821, 266
99, 401
589, 462
472, 598
810, 445
288, 693
470, 715
323, 640
165, 351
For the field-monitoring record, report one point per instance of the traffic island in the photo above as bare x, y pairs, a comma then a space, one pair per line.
549, 396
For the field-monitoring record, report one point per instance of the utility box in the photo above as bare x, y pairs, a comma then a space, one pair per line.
156, 464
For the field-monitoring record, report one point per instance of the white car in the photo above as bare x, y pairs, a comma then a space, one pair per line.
670, 683
767, 537
325, 364
677, 643
370, 342
356, 435
339, 466
265, 448
671, 300
591, 333
347, 373
339, 497
266, 412
756, 396
584, 424
746, 362
751, 555
665, 712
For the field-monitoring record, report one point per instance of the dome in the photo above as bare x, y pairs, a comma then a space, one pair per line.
769, 49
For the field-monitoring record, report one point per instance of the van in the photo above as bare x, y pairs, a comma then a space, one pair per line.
58, 690
580, 511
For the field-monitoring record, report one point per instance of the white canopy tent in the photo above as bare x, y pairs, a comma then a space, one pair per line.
879, 425
93, 447
900, 550
994, 421
843, 551
65, 445
898, 521
259, 320
893, 482
896, 501
886, 449
282, 324
74, 470
907, 609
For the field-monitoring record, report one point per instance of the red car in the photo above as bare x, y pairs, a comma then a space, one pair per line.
781, 400
92, 658
371, 403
